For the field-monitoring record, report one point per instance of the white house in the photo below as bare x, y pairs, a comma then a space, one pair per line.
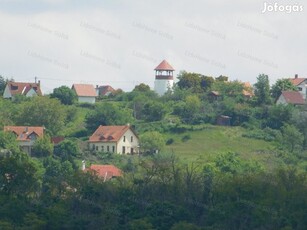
301, 84
114, 139
290, 97
164, 78
26, 135
86, 93
22, 88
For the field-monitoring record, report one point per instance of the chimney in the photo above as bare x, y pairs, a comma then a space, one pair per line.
296, 75
83, 165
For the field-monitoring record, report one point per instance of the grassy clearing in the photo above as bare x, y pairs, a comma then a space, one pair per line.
202, 146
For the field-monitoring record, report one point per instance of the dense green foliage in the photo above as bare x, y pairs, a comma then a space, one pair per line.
66, 95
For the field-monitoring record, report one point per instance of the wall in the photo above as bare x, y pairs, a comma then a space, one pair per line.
161, 86
87, 100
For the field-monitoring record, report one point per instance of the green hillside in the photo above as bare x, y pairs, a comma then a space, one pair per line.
205, 144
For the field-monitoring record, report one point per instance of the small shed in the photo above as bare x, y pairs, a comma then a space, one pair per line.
223, 120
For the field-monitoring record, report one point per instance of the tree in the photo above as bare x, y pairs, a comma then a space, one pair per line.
2, 84
154, 111
229, 89
262, 90
19, 175
66, 95
150, 142
281, 85
42, 111
292, 138
206, 82
221, 78
142, 88
189, 81
8, 141
108, 114
42, 147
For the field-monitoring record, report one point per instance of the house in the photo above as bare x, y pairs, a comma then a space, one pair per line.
26, 135
247, 90
104, 90
290, 97
22, 88
301, 84
86, 93
114, 139
214, 95
107, 172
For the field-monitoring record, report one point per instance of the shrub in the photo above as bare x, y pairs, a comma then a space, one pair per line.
170, 141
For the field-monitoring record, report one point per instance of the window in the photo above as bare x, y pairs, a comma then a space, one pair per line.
113, 149
124, 138
102, 148
124, 150
97, 148
108, 149
131, 138
131, 151
299, 88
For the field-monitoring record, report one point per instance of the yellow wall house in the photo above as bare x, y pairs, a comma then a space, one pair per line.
25, 135
114, 139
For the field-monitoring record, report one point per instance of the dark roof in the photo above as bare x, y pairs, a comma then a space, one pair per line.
293, 97
105, 90
164, 65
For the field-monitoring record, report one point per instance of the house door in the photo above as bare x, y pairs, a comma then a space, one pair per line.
124, 150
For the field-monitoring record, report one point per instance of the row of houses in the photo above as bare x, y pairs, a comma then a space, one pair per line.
86, 93
114, 139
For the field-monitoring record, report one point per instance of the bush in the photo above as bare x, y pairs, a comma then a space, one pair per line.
170, 141
185, 138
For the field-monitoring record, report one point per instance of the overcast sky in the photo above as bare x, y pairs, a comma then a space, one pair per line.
120, 42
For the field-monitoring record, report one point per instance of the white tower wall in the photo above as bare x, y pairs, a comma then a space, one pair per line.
162, 86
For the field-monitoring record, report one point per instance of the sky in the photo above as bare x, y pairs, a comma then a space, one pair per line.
120, 42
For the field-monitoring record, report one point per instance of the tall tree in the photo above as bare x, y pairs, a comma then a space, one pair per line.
262, 90
66, 95
42, 111
2, 85
108, 114
189, 81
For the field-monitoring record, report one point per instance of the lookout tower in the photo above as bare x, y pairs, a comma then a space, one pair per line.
164, 77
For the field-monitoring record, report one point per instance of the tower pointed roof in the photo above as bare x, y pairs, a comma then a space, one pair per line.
164, 65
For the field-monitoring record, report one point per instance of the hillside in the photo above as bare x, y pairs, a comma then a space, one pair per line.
202, 146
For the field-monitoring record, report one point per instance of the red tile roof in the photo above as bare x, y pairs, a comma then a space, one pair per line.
297, 81
293, 97
23, 88
108, 133
57, 140
164, 65
84, 90
24, 133
105, 171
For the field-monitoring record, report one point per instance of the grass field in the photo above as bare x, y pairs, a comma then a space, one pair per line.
205, 144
